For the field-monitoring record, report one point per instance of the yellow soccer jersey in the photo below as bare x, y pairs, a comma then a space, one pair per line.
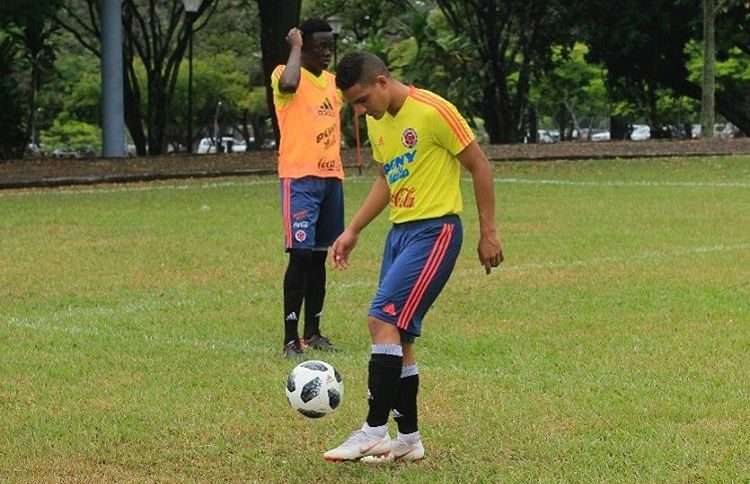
418, 149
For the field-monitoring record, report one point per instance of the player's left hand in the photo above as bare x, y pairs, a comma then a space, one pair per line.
490, 251
341, 249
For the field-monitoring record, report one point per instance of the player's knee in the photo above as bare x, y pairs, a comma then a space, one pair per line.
382, 332
410, 358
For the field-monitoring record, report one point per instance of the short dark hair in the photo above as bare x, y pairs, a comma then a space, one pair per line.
359, 67
312, 26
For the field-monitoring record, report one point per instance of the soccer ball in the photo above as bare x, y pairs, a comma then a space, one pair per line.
314, 388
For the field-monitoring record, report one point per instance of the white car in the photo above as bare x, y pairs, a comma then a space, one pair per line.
600, 136
641, 132
207, 145
543, 136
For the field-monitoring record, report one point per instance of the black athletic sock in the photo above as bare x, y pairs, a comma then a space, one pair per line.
315, 293
383, 384
406, 405
294, 291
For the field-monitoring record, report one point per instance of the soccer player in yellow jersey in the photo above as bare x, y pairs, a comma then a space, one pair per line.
307, 106
420, 141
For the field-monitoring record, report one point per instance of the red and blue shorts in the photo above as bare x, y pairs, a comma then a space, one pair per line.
418, 259
313, 212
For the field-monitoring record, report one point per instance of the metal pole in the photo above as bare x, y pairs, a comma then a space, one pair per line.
113, 132
335, 42
190, 84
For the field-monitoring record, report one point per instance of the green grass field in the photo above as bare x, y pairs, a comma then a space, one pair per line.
140, 329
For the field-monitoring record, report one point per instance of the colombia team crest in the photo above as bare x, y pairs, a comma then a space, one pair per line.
409, 138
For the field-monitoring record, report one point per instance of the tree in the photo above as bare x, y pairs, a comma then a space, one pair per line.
573, 92
216, 79
275, 21
645, 50
12, 136
708, 84
512, 42
155, 34
30, 27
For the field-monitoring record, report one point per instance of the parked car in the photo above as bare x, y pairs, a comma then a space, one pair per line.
65, 152
641, 132
600, 135
543, 136
207, 145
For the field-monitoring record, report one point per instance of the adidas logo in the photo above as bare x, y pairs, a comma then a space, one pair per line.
390, 309
326, 109
292, 316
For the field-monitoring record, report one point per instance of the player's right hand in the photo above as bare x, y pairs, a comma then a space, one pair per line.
341, 249
294, 37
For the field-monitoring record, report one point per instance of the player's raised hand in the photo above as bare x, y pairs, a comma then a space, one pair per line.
294, 37
342, 247
490, 251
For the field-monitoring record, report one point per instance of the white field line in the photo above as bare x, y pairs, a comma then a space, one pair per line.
622, 183
59, 320
274, 181
242, 346
100, 329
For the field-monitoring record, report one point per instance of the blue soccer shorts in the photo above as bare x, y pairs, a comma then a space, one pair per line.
313, 212
417, 261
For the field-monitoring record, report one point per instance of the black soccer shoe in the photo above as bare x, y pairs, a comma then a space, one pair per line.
293, 350
318, 342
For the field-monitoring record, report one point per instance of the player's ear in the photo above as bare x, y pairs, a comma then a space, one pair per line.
381, 81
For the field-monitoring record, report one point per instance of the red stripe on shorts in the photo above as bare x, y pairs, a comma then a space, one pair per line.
426, 276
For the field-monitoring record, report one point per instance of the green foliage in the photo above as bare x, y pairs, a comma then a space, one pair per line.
216, 79
572, 85
735, 65
69, 133
12, 127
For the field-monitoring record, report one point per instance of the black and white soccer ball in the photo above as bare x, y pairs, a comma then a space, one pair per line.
314, 388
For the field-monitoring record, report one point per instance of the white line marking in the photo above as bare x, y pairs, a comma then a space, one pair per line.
627, 258
620, 183
52, 321
153, 186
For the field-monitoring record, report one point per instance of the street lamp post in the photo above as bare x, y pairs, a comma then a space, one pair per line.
335, 22
191, 9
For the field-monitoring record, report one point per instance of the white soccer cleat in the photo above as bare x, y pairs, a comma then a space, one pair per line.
359, 445
401, 451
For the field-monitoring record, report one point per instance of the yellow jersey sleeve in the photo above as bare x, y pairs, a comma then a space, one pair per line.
450, 129
281, 99
452, 132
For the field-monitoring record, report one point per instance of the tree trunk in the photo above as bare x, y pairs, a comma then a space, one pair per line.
533, 124
709, 60
618, 128
275, 22
31, 129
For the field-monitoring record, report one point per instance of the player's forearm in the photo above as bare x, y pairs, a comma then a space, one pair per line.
376, 201
484, 192
474, 160
289, 79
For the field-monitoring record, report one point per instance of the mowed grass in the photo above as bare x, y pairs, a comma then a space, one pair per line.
140, 329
